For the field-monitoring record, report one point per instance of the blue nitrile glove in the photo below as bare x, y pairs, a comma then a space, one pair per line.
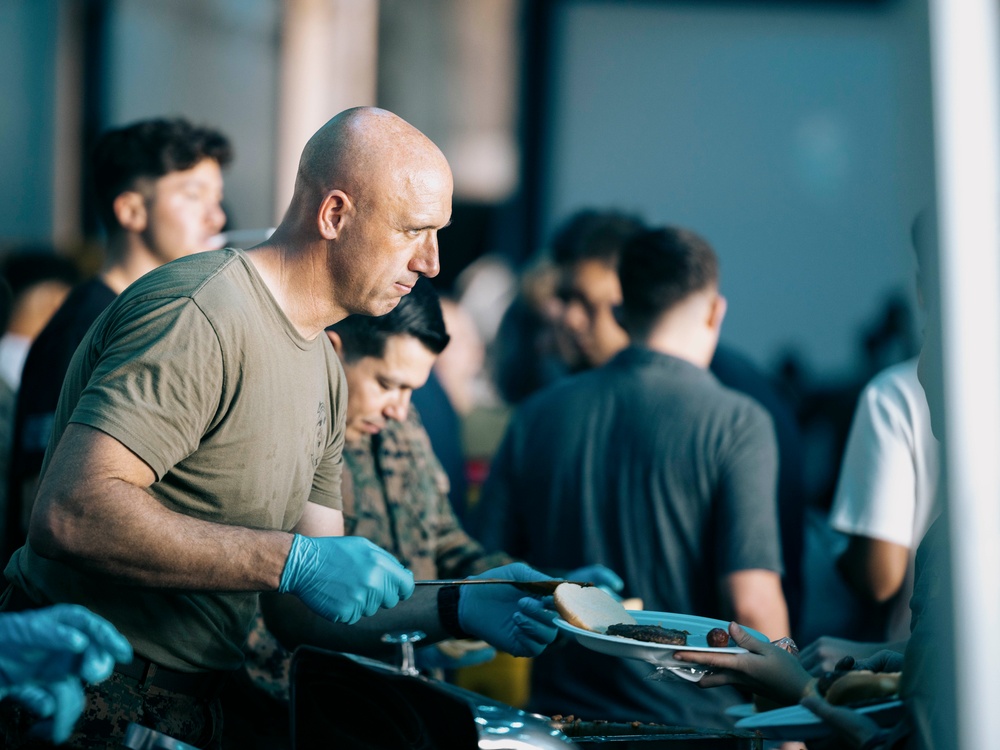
343, 578
44, 655
504, 616
600, 575
433, 657
48, 645
58, 704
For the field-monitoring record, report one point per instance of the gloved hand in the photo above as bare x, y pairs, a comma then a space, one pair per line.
435, 657
343, 578
600, 575
46, 653
504, 616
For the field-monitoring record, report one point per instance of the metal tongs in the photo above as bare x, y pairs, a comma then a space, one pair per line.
538, 588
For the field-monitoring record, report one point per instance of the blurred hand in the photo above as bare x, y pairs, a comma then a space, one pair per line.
344, 578
850, 728
440, 656
881, 661
599, 575
823, 654
765, 669
504, 616
47, 655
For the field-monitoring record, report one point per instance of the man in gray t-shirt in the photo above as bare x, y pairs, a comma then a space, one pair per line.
647, 465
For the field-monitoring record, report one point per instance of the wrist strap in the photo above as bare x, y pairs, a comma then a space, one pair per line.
448, 611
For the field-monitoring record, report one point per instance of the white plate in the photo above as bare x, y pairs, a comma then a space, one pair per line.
659, 655
799, 723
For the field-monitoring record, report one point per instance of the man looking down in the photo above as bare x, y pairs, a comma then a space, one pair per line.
196, 457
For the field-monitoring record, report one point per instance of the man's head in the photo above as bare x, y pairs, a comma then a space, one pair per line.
386, 358
158, 185
376, 191
586, 249
670, 293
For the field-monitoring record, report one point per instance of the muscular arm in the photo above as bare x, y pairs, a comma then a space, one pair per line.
294, 624
874, 568
92, 511
757, 601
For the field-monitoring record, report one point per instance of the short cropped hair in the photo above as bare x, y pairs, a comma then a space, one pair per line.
594, 235
148, 150
659, 269
417, 314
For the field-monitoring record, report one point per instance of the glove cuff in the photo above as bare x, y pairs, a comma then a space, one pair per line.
447, 601
299, 542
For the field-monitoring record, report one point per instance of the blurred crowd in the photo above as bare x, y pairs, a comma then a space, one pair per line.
582, 413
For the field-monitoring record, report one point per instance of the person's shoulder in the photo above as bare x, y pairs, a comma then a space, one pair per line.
900, 378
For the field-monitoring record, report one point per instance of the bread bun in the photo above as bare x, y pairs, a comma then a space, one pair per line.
589, 607
862, 685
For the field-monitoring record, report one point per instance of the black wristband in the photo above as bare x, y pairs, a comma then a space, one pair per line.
448, 611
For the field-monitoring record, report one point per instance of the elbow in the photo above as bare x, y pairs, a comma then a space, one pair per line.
51, 531
882, 590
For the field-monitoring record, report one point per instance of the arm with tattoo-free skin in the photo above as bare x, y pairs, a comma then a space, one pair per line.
92, 511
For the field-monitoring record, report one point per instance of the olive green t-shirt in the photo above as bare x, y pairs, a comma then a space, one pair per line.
196, 370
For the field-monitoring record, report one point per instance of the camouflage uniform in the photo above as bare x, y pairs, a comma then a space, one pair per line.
110, 706
396, 495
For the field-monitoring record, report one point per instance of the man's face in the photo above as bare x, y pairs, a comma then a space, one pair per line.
184, 211
379, 388
590, 292
392, 242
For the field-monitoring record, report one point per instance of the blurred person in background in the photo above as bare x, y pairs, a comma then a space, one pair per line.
580, 329
650, 466
39, 281
886, 499
158, 190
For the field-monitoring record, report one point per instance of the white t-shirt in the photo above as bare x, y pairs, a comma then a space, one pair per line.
888, 481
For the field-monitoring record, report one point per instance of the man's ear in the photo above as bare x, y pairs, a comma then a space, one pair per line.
717, 312
335, 209
338, 344
130, 211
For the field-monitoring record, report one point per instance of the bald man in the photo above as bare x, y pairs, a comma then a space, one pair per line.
195, 459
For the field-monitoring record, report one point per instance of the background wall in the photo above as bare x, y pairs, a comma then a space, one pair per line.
796, 137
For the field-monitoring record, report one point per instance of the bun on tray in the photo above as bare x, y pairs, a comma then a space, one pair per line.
589, 607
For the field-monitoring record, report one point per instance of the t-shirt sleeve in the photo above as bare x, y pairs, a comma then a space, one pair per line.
326, 487
876, 491
157, 384
748, 527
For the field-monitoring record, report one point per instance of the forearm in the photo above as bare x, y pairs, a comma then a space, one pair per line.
293, 624
115, 528
875, 569
758, 602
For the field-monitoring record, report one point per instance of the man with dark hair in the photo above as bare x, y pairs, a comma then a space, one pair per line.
650, 466
158, 190
586, 248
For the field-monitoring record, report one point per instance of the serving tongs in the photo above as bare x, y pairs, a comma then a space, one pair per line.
538, 588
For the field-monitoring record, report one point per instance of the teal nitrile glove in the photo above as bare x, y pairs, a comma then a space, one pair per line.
47, 654
504, 616
58, 704
344, 578
600, 575
47, 645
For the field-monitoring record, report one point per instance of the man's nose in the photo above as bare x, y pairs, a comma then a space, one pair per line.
426, 260
574, 316
399, 407
216, 217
